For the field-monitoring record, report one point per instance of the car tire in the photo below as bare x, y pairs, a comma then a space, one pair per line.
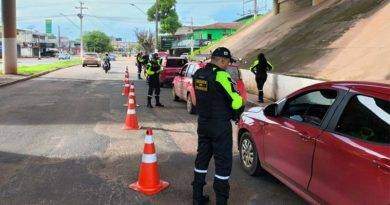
174, 96
84, 65
190, 106
249, 159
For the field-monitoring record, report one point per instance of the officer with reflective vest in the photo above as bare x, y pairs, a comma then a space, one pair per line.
140, 61
153, 70
260, 68
217, 103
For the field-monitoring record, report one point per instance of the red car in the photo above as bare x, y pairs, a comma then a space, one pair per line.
171, 66
183, 89
330, 142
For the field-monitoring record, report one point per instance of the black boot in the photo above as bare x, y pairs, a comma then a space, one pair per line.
149, 105
197, 189
261, 97
158, 104
221, 189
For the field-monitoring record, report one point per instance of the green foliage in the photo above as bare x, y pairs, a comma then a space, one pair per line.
97, 41
34, 69
167, 16
145, 40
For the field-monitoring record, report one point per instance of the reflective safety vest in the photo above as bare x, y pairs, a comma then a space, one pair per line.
256, 69
153, 69
216, 97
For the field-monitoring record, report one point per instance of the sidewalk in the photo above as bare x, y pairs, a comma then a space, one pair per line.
252, 101
7, 79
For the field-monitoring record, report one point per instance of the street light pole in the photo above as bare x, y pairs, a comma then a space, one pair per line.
157, 17
9, 36
81, 16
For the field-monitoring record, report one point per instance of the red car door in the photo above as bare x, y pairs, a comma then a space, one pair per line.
352, 157
187, 80
289, 138
178, 84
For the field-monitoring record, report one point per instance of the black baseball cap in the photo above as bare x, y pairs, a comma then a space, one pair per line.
224, 53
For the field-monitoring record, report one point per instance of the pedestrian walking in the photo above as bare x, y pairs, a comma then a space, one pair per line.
140, 60
153, 70
260, 68
217, 104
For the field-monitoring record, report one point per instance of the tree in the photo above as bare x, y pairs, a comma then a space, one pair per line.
167, 16
97, 41
145, 40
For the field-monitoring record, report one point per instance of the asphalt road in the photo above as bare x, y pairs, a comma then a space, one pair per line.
61, 142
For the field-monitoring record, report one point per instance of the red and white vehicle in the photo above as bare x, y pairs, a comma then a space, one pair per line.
171, 66
329, 142
183, 88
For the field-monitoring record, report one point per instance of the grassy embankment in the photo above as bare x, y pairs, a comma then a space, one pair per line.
34, 69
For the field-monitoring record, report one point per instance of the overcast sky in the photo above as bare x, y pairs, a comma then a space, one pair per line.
117, 18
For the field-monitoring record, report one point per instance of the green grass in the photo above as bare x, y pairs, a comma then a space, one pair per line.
31, 70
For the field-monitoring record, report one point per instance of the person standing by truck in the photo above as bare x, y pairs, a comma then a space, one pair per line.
140, 61
260, 68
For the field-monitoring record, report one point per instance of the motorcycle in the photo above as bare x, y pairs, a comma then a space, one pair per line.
106, 67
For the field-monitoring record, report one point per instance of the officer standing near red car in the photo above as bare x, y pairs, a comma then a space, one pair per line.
153, 70
217, 104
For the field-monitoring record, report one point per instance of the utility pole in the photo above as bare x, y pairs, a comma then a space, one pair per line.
81, 16
254, 9
59, 39
243, 7
193, 39
157, 18
9, 36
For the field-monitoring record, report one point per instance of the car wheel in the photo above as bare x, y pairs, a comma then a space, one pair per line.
190, 105
249, 158
84, 65
174, 96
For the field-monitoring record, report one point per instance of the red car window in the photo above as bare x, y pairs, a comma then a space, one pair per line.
366, 118
173, 62
310, 107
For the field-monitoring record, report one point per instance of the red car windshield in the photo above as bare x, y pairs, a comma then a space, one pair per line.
172, 62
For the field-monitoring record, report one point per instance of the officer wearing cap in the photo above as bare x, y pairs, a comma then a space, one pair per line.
217, 104
153, 70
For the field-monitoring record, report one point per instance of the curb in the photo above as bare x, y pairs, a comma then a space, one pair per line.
28, 77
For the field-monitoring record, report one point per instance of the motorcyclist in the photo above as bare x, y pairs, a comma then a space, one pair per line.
107, 62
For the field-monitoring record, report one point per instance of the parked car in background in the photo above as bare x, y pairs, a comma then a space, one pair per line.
63, 56
91, 59
162, 54
329, 142
171, 66
183, 87
112, 57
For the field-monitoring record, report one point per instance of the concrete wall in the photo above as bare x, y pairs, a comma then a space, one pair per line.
277, 85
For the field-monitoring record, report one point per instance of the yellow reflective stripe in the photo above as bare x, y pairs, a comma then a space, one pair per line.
254, 64
272, 67
149, 69
223, 78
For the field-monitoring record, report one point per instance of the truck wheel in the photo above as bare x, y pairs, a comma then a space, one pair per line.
249, 158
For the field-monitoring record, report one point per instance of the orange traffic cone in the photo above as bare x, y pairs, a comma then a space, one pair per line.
149, 182
126, 89
131, 121
131, 95
126, 80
